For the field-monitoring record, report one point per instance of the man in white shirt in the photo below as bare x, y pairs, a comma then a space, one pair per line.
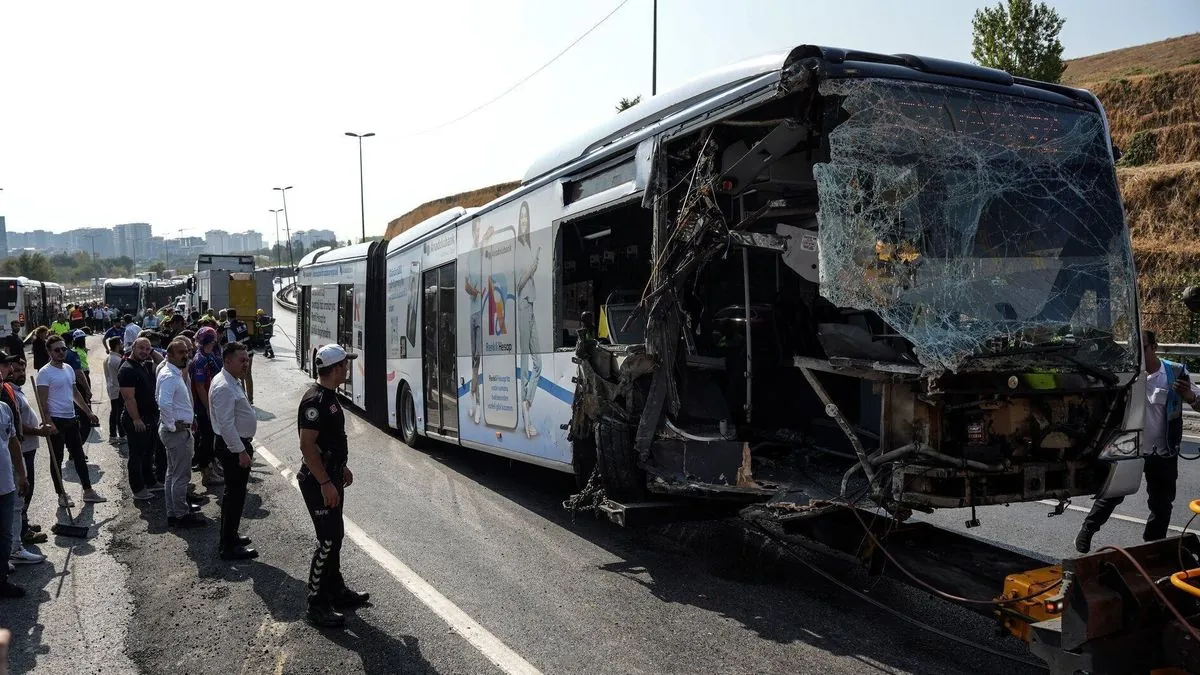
57, 397
34, 429
132, 330
235, 425
1168, 387
27, 428
175, 430
13, 484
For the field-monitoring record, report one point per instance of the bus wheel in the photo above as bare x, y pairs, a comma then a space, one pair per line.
616, 458
407, 415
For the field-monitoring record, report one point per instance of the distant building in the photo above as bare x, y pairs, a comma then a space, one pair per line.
307, 238
3, 238
132, 239
246, 242
89, 239
217, 242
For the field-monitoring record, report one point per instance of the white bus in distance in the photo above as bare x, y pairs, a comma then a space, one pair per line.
341, 293
127, 296
33, 303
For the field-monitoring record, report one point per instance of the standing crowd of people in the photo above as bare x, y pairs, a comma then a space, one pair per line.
181, 395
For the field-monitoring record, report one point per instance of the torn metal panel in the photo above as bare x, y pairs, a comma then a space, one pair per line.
970, 221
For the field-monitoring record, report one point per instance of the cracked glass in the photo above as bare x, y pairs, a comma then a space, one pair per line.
975, 223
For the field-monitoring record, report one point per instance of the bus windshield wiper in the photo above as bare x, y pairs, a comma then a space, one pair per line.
1059, 349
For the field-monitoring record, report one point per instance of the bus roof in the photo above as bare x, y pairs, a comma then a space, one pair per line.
312, 255
656, 108
713, 89
329, 255
123, 282
425, 227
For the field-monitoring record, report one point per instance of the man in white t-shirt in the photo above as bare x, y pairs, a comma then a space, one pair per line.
132, 330
58, 396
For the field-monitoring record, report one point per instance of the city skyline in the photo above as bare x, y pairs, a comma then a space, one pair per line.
128, 239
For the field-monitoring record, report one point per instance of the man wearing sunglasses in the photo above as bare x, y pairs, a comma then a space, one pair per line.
58, 396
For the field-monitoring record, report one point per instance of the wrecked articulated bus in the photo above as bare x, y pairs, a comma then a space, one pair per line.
916, 269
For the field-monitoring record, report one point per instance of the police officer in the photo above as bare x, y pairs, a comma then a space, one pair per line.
323, 479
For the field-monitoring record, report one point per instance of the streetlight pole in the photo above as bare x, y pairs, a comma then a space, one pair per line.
654, 54
278, 247
361, 196
95, 269
287, 226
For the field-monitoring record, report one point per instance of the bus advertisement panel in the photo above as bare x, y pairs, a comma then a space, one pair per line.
402, 309
323, 317
506, 365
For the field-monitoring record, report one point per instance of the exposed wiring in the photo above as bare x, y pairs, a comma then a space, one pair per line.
937, 591
1162, 597
787, 547
525, 79
1179, 548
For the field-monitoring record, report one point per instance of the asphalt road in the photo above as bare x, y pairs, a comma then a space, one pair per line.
474, 567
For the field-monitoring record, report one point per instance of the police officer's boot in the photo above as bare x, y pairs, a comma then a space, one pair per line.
324, 615
348, 599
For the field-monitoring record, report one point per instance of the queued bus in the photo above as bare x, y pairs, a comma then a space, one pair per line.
31, 302
128, 296
933, 254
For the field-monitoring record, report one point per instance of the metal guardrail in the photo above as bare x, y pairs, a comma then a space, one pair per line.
286, 296
1179, 349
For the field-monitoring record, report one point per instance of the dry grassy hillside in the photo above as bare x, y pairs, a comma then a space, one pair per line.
1148, 59
432, 208
1152, 96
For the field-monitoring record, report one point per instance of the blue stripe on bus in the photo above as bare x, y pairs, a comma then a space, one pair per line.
560, 393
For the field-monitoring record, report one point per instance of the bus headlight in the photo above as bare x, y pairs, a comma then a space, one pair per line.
1123, 445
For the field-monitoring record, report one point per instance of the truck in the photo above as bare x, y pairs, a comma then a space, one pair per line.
200, 296
218, 289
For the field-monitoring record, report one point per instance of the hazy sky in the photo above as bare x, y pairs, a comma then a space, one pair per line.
185, 115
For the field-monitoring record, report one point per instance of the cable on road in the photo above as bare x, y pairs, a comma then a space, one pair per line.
525, 79
937, 591
789, 549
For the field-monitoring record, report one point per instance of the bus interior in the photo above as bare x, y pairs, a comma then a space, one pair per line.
784, 313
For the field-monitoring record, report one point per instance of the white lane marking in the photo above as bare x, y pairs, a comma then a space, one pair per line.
1128, 519
489, 645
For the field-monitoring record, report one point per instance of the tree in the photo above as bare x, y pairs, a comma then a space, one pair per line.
31, 265
157, 266
1019, 37
627, 103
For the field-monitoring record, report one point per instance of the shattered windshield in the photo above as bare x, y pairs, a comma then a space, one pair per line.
972, 221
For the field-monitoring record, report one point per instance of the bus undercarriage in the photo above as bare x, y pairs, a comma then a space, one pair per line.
812, 288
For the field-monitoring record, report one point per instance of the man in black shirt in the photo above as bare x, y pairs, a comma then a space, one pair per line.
323, 479
13, 344
140, 418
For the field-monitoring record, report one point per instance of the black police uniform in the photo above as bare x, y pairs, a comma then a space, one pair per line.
321, 411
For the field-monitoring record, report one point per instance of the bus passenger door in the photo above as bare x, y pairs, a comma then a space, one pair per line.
438, 350
345, 329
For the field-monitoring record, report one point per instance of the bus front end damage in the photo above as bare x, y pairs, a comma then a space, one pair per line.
916, 294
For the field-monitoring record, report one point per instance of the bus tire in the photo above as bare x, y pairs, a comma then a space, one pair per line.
406, 418
616, 458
